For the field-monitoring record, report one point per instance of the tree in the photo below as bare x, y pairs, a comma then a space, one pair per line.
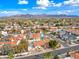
56, 57
47, 55
23, 46
53, 44
53, 33
10, 55
1, 35
13, 30
16, 49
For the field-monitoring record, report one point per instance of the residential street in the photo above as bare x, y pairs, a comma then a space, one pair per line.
55, 52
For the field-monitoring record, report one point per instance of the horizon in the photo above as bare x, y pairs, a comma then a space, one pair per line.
35, 7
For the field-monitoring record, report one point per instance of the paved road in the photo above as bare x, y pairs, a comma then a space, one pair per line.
55, 52
65, 50
32, 57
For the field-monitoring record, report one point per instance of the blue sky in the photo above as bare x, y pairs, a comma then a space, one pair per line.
54, 7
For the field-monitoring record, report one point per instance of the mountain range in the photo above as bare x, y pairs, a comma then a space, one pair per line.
27, 16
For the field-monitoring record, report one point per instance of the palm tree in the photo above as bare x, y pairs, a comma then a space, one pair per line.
53, 44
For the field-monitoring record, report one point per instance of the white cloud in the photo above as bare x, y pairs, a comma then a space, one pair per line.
24, 9
22, 2
9, 13
72, 2
56, 4
69, 11
44, 3
65, 12
39, 7
47, 3
60, 12
4, 12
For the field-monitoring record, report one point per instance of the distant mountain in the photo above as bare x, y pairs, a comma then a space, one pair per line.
44, 15
41, 16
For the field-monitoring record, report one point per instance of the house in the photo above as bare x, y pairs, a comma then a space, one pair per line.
53, 28
4, 33
38, 40
75, 31
12, 43
41, 43
75, 55
65, 35
36, 35
12, 40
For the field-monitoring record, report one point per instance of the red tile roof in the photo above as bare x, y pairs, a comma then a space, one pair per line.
10, 42
36, 35
13, 40
75, 31
53, 28
41, 43
75, 55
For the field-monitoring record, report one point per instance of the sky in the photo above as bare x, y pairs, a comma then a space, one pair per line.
54, 7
